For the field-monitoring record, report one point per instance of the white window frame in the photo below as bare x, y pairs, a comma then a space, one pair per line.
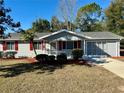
37, 46
10, 46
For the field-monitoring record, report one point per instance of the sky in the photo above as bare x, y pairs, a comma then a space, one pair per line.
27, 11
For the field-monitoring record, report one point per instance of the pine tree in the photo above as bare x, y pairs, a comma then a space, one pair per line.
115, 16
6, 22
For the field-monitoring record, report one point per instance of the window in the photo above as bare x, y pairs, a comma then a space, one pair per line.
37, 45
64, 44
70, 45
77, 44
10, 46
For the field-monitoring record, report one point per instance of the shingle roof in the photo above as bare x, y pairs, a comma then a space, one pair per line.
17, 36
91, 35
101, 35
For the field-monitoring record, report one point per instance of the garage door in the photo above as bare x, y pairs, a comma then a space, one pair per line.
112, 48
96, 48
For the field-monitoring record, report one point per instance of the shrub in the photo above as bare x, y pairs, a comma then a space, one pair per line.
62, 58
9, 54
1, 54
51, 58
42, 58
77, 53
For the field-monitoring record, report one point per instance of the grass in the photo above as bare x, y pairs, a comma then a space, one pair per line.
22, 77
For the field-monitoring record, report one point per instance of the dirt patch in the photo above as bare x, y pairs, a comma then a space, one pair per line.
31, 60
121, 88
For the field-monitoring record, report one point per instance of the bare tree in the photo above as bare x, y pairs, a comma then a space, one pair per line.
67, 12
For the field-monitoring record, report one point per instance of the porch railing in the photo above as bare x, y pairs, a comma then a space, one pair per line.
68, 52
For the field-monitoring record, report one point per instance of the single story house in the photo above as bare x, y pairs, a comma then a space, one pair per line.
63, 41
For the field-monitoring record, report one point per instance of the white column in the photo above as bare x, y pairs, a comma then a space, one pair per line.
118, 48
84, 48
56, 47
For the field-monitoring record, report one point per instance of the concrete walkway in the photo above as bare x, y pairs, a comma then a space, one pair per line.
115, 66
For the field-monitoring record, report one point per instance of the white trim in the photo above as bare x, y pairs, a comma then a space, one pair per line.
116, 48
84, 47
57, 47
119, 48
65, 31
10, 46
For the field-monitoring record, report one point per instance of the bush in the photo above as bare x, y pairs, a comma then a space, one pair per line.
42, 58
9, 54
1, 54
62, 58
77, 53
51, 58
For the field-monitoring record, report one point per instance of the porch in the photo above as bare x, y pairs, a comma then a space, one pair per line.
58, 47
64, 42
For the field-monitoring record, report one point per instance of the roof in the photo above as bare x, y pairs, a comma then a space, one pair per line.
101, 35
17, 36
88, 35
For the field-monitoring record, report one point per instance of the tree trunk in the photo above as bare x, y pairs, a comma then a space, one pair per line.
34, 48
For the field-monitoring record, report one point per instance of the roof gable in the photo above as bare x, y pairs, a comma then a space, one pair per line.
63, 33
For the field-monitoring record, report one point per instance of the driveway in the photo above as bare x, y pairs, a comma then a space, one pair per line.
115, 66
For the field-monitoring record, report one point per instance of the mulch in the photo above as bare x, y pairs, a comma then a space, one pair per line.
11, 59
31, 60
120, 57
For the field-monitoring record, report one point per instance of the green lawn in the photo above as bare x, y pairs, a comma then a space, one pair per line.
22, 77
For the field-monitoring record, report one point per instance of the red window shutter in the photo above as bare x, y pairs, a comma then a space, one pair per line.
79, 44
4, 45
16, 45
31, 45
43, 44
